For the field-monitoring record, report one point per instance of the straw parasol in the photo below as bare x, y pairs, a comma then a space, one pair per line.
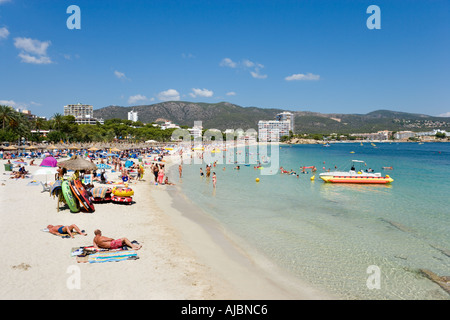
77, 163
10, 148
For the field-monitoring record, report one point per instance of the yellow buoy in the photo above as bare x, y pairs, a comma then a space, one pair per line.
312, 178
257, 179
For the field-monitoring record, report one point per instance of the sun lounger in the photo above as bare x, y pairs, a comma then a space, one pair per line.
45, 187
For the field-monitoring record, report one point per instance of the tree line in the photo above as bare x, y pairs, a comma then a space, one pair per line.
16, 126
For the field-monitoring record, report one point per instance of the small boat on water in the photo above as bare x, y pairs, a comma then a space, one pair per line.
354, 176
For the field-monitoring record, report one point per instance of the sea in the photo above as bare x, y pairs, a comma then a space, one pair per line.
353, 241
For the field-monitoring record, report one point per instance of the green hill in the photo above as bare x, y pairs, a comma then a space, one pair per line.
224, 115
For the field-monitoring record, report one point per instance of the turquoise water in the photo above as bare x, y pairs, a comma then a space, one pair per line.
330, 234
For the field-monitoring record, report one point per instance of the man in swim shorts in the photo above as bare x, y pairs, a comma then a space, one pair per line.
65, 230
110, 243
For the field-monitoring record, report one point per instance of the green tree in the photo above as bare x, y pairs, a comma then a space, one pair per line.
57, 121
440, 135
6, 113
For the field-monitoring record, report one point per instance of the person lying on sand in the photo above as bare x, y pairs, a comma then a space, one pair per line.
167, 182
110, 243
60, 229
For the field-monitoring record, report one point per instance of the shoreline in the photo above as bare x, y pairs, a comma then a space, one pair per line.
184, 256
246, 272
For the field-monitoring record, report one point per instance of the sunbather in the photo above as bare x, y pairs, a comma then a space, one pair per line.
64, 230
110, 243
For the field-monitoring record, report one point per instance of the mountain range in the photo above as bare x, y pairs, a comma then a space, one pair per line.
225, 115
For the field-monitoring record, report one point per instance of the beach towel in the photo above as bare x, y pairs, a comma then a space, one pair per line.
109, 256
55, 188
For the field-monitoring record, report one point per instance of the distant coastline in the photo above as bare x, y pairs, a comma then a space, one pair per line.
312, 141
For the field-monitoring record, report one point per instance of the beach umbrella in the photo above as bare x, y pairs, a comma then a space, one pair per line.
45, 171
115, 150
93, 149
49, 162
10, 148
77, 163
128, 163
103, 166
31, 148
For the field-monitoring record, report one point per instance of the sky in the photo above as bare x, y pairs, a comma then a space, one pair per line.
318, 56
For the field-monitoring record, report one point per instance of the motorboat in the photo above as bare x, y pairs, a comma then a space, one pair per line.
355, 176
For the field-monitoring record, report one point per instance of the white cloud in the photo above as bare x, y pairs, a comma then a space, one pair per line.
4, 33
120, 75
35, 60
255, 74
231, 93
18, 105
169, 95
137, 98
446, 114
33, 51
246, 64
4, 1
32, 46
301, 76
227, 62
10, 103
201, 93
187, 56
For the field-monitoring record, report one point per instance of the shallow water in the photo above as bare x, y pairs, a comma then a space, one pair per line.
331, 234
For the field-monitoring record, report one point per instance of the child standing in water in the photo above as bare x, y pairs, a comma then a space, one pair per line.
214, 179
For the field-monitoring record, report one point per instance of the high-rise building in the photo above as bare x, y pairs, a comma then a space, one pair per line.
273, 130
83, 113
133, 116
79, 111
286, 116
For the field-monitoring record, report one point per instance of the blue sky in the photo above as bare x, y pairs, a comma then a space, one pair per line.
294, 55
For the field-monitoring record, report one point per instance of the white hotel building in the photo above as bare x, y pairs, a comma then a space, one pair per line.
133, 116
83, 113
273, 130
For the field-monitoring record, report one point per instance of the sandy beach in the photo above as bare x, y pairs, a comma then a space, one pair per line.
184, 256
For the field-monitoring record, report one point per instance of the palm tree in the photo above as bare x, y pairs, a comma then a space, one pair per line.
6, 114
58, 119
38, 123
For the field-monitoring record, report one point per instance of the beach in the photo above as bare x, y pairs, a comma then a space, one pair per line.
185, 255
